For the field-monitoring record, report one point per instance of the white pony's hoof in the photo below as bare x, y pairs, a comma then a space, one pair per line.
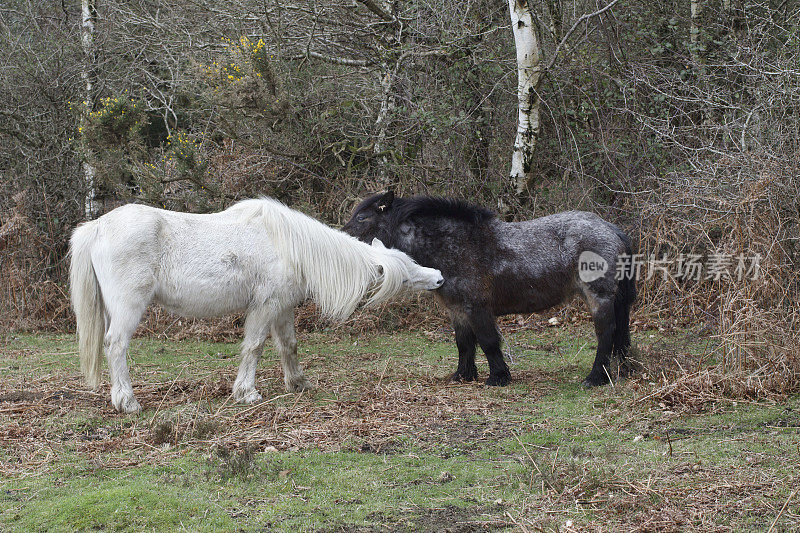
299, 384
125, 403
131, 405
247, 396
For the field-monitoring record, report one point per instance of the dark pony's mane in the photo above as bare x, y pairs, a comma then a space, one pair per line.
433, 206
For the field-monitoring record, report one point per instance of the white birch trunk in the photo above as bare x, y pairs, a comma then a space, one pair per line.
387, 80
529, 75
696, 13
88, 19
698, 61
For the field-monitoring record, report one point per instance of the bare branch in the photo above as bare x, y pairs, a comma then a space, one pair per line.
567, 35
333, 59
379, 10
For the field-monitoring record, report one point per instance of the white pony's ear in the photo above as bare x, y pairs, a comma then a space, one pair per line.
376, 242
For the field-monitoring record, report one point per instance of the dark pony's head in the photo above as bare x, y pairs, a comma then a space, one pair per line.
380, 215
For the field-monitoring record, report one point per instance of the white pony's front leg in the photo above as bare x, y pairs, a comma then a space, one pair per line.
256, 329
286, 344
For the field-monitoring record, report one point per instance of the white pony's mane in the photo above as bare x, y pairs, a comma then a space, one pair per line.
336, 270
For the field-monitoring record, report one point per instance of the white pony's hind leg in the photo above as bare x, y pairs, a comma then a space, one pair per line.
286, 344
125, 297
256, 330
118, 336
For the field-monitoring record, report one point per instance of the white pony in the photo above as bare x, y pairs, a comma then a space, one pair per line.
258, 257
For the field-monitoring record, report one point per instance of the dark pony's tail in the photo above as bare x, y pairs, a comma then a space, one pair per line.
626, 295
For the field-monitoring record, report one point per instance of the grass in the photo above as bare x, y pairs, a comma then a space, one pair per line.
384, 443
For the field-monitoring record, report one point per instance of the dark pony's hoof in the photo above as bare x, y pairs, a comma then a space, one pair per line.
464, 377
626, 369
594, 381
498, 380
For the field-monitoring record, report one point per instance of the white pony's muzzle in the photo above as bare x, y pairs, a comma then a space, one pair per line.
431, 279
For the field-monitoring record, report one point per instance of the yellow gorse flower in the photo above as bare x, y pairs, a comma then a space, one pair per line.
245, 56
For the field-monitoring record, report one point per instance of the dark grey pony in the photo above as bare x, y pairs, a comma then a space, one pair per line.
494, 268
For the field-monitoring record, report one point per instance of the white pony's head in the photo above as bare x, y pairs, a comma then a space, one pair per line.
414, 277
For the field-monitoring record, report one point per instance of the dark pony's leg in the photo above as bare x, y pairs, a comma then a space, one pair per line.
622, 333
626, 294
465, 340
623, 300
604, 326
485, 328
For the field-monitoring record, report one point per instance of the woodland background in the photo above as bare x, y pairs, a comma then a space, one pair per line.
678, 120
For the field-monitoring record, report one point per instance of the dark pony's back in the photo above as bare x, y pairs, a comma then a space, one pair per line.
437, 206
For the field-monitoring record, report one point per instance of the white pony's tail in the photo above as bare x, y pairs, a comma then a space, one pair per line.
87, 302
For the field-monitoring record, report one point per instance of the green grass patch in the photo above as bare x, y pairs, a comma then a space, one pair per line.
384, 443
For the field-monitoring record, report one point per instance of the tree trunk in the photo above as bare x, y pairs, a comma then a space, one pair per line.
387, 103
88, 20
696, 14
529, 80
698, 62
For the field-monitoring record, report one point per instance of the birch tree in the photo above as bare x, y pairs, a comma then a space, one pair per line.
88, 21
696, 48
530, 73
696, 14
528, 83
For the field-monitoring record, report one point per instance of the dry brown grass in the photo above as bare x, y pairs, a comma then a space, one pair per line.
688, 495
589, 469
736, 205
29, 297
369, 417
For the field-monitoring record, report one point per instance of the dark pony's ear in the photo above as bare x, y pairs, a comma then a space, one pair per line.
385, 201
